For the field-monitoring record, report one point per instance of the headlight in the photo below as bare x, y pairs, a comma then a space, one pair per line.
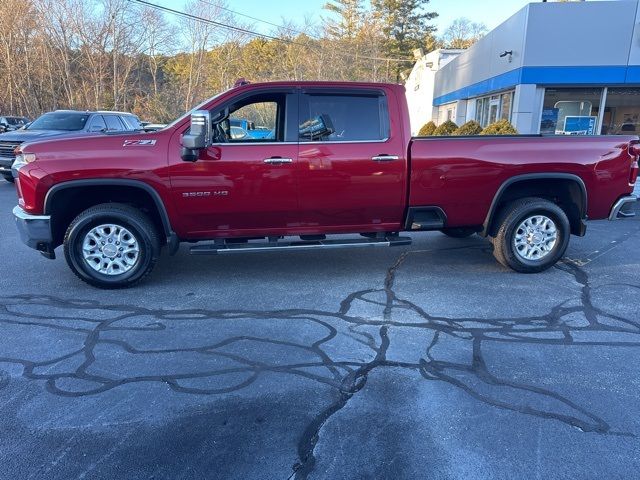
22, 159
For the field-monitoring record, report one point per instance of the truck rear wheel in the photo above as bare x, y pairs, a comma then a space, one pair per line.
532, 235
8, 178
111, 245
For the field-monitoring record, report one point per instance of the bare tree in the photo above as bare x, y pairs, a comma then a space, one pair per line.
119, 54
463, 33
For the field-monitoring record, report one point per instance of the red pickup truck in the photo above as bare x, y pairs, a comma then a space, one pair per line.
330, 158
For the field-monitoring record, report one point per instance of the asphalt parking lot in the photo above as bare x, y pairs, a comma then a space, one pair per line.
429, 361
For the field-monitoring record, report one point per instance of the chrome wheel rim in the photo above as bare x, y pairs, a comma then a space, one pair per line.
535, 237
110, 249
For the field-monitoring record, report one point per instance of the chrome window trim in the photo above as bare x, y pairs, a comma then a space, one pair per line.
297, 143
346, 141
244, 144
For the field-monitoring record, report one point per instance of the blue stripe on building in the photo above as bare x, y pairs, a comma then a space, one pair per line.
574, 76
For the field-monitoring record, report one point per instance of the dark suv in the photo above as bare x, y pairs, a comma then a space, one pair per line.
63, 123
8, 124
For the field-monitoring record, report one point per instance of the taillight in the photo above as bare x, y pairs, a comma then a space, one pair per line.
634, 150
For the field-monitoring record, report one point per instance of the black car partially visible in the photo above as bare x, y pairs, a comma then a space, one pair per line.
62, 123
8, 124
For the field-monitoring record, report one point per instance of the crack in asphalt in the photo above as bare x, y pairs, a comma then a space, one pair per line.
346, 377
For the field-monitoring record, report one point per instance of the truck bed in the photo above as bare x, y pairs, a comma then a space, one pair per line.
461, 175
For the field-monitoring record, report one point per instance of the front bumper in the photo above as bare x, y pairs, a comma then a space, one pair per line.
5, 166
623, 208
35, 231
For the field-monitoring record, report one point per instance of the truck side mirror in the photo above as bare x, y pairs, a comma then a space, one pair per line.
199, 135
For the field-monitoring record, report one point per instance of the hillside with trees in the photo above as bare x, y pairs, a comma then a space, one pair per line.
158, 62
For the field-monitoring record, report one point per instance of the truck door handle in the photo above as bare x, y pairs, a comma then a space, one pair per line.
384, 158
277, 160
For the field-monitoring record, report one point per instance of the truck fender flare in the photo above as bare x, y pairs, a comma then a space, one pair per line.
533, 176
164, 217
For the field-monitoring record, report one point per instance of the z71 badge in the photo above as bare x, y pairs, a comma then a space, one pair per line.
139, 143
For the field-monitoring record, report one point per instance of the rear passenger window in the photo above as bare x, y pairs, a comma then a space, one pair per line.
113, 123
343, 118
97, 124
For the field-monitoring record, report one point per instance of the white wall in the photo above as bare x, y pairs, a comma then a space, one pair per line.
461, 111
420, 86
634, 52
527, 108
580, 33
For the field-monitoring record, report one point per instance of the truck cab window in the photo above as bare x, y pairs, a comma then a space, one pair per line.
259, 118
256, 121
343, 118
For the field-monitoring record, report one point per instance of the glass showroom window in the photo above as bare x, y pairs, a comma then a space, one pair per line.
571, 111
493, 108
480, 109
622, 112
505, 105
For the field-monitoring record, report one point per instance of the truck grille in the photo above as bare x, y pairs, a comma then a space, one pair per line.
7, 148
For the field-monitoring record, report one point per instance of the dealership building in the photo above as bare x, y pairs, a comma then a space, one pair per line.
564, 68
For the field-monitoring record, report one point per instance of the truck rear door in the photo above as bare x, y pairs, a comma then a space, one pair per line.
351, 164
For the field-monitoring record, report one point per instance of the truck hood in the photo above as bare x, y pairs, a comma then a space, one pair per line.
33, 135
90, 147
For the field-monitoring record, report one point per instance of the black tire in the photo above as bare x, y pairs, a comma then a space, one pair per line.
8, 178
511, 217
458, 232
130, 218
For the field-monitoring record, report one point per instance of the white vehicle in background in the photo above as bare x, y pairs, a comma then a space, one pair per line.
238, 133
152, 127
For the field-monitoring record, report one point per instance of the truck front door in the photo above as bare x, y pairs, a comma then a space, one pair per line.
244, 184
352, 165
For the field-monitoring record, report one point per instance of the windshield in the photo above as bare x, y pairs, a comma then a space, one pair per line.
68, 121
179, 119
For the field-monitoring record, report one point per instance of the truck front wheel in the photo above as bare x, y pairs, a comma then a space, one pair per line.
111, 245
532, 235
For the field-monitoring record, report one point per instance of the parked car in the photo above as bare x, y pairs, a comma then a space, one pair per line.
342, 161
152, 127
242, 123
63, 123
250, 128
238, 133
261, 133
8, 124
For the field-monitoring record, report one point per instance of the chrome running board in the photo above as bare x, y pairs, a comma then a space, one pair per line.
279, 246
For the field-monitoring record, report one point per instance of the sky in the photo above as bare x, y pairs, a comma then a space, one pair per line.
489, 12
